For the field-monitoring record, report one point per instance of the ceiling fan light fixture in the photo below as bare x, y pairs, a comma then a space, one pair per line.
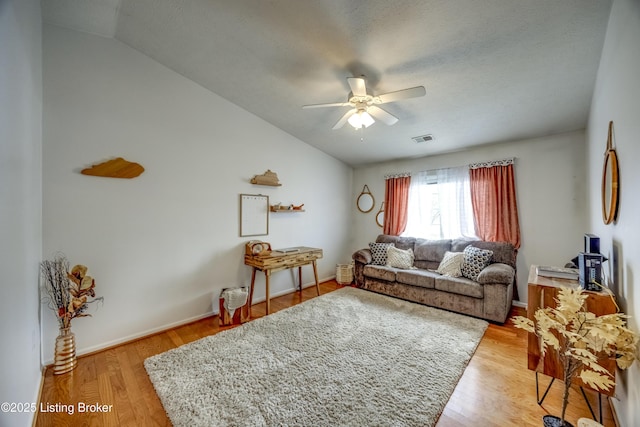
361, 119
364, 106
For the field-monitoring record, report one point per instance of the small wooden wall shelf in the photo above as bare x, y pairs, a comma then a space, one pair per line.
115, 168
288, 208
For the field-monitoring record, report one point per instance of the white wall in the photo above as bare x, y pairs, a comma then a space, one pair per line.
20, 204
550, 186
163, 245
617, 98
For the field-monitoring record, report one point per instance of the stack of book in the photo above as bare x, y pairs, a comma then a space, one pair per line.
288, 250
558, 272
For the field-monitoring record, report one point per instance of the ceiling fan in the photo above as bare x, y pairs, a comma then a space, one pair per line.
364, 106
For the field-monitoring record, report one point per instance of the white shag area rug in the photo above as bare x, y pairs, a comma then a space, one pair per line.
347, 358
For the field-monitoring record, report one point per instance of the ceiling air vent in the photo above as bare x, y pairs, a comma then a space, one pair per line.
422, 138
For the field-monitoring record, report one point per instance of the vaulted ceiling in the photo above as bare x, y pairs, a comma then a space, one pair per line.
493, 70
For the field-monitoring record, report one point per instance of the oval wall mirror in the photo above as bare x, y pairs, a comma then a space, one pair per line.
610, 181
380, 216
365, 202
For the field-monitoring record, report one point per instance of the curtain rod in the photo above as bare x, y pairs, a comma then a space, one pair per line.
397, 175
486, 164
492, 163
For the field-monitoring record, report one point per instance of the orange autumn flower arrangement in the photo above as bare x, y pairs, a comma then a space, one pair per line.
69, 292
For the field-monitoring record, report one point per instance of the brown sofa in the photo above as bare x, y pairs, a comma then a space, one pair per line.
489, 297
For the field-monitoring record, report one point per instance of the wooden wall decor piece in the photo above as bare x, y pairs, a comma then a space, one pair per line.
610, 181
365, 201
115, 168
380, 216
267, 178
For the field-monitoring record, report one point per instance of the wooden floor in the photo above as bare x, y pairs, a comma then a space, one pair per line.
496, 389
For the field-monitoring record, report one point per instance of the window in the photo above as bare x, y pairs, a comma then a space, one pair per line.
440, 205
424, 208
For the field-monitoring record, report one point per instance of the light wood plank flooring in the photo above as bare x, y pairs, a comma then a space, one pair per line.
496, 389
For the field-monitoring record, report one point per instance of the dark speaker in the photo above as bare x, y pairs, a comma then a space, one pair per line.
590, 270
591, 244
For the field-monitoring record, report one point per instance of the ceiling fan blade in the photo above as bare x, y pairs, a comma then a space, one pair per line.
344, 119
357, 85
383, 116
334, 104
413, 92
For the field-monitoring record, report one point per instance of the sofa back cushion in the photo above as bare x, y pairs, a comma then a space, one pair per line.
399, 242
502, 251
431, 250
429, 253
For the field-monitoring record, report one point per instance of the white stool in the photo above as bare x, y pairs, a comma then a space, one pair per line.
588, 422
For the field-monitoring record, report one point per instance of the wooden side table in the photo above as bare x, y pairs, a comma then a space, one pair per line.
277, 261
542, 292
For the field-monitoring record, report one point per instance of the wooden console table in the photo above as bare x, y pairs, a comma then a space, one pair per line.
542, 292
277, 261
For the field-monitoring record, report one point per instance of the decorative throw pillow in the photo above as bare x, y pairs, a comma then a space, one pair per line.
400, 258
451, 264
379, 252
475, 260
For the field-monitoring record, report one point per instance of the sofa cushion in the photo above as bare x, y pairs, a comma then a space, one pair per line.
426, 265
400, 258
379, 252
460, 286
380, 272
363, 256
421, 278
475, 260
502, 251
497, 273
458, 245
451, 264
399, 242
431, 250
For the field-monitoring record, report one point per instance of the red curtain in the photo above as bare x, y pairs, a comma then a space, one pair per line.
495, 211
396, 198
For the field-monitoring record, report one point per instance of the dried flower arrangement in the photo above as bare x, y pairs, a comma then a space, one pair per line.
582, 339
68, 290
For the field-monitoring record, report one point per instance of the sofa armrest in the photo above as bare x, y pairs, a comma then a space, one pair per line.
363, 256
497, 273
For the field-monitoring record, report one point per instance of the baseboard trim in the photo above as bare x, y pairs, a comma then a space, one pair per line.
135, 337
613, 403
34, 420
144, 334
519, 304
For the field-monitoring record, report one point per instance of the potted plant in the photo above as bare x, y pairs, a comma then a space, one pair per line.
581, 340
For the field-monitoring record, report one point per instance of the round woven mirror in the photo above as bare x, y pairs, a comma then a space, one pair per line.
365, 202
380, 216
610, 185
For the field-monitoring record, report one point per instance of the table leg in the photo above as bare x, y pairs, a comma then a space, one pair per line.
315, 274
267, 273
253, 281
300, 278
